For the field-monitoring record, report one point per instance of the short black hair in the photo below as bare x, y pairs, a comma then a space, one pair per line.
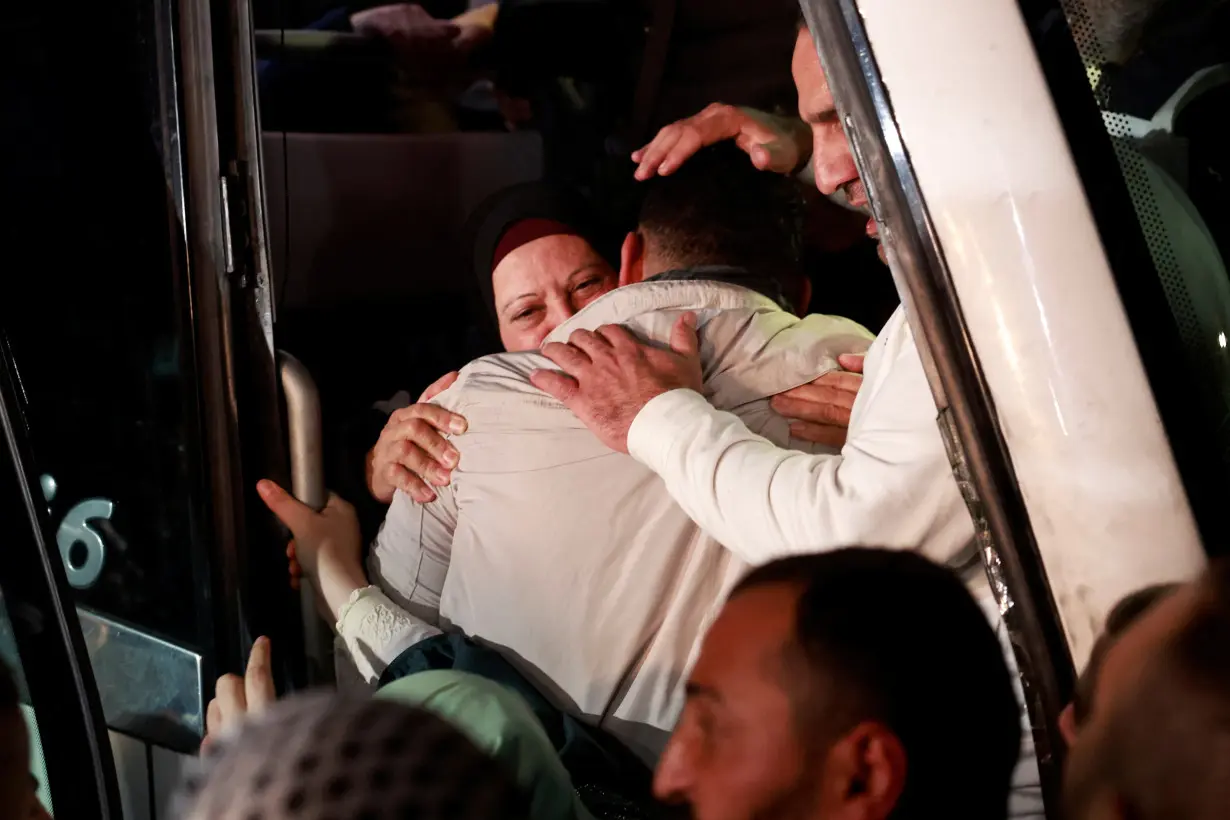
887, 635
1125, 613
1167, 746
719, 209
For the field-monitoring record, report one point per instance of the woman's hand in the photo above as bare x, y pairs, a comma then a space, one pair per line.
235, 698
411, 455
779, 144
820, 411
328, 545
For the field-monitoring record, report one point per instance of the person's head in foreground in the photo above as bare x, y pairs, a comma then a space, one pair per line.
316, 757
18, 789
718, 211
534, 260
1157, 745
1125, 613
860, 683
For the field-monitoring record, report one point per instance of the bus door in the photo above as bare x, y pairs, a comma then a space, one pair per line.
137, 329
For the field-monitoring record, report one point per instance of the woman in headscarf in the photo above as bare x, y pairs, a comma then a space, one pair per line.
535, 265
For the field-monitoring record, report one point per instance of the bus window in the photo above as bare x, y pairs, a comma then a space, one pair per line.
1156, 71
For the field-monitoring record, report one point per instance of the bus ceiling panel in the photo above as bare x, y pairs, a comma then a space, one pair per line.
1037, 298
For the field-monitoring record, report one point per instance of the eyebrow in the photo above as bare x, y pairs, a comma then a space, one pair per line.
701, 691
571, 276
811, 117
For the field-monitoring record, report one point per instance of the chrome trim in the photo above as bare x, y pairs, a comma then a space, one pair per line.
213, 340
165, 38
304, 425
981, 461
150, 688
307, 478
250, 153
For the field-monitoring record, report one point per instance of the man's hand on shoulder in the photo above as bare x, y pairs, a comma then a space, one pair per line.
609, 376
820, 411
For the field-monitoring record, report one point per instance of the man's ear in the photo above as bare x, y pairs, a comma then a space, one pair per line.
865, 774
632, 260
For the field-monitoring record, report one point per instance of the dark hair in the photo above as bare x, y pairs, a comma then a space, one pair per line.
719, 209
889, 636
1167, 746
1125, 613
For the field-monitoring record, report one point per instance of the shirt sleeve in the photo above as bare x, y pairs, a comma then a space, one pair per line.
891, 485
375, 631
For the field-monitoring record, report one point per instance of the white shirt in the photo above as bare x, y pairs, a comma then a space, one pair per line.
891, 486
569, 558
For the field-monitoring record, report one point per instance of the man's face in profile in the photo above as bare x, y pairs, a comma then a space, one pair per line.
832, 160
735, 753
1087, 795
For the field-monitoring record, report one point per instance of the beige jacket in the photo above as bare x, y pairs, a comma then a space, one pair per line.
570, 558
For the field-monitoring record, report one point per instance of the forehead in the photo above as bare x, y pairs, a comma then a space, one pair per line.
815, 97
748, 636
548, 260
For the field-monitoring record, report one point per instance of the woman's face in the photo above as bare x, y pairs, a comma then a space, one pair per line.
542, 283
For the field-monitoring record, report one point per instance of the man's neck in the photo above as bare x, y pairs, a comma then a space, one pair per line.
729, 274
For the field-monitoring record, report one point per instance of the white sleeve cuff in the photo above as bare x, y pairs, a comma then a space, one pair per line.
376, 630
663, 423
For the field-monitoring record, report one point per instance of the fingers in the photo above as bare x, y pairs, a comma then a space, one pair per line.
258, 687
439, 386
852, 362
408, 465
213, 721
828, 434
815, 403
683, 336
293, 568
417, 439
289, 510
677, 142
562, 387
568, 358
840, 380
689, 142
338, 506
652, 155
411, 484
592, 344
811, 412
617, 337
761, 154
232, 704
431, 414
